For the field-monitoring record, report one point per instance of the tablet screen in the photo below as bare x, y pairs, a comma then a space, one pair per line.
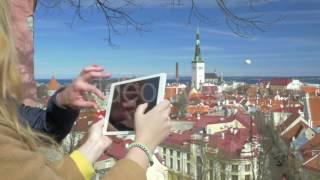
127, 97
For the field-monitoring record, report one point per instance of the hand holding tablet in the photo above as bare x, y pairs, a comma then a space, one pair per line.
126, 96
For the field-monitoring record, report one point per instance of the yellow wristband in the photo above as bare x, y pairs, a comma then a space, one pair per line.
85, 167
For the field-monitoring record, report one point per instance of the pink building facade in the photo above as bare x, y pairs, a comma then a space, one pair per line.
22, 27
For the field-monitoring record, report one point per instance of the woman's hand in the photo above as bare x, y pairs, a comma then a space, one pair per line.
96, 143
153, 127
74, 95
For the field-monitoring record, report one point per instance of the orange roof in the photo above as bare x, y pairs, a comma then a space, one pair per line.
314, 106
283, 126
312, 144
294, 131
252, 91
170, 92
313, 163
198, 109
309, 89
53, 84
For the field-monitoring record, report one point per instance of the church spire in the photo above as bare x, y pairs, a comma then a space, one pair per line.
197, 54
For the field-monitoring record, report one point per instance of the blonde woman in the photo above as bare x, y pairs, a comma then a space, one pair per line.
23, 151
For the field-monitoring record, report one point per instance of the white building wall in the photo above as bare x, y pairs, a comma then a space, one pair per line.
215, 128
279, 117
295, 85
198, 74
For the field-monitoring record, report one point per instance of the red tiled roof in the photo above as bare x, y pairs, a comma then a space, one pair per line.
202, 109
277, 82
312, 144
288, 109
209, 90
310, 90
205, 120
252, 91
313, 163
82, 124
314, 106
170, 92
294, 131
232, 143
283, 126
195, 96
178, 139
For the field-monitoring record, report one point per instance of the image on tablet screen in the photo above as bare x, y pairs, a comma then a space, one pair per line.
127, 97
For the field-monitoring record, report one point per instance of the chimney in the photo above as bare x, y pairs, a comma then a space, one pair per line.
235, 131
206, 139
231, 130
177, 73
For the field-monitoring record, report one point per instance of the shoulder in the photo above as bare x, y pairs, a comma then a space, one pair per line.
9, 138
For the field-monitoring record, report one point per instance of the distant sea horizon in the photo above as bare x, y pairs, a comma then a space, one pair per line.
246, 79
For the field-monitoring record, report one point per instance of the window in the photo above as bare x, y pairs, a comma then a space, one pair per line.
247, 167
171, 152
199, 165
211, 163
211, 174
234, 168
234, 177
178, 165
199, 161
178, 155
222, 166
164, 150
247, 177
171, 162
188, 156
188, 168
222, 176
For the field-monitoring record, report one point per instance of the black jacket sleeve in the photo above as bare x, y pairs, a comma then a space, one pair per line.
55, 121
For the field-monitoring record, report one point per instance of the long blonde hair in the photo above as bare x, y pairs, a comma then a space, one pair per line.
10, 85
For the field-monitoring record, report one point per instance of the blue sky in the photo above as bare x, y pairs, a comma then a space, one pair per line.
290, 47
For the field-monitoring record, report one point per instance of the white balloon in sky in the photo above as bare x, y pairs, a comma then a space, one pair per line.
248, 61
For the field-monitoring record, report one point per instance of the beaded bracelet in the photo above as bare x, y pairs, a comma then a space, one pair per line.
145, 149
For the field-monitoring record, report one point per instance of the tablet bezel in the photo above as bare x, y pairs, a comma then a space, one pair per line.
160, 97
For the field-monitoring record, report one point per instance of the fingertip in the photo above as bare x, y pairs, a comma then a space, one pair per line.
107, 75
94, 105
101, 95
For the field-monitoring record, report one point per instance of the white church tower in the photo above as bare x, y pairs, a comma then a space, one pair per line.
198, 65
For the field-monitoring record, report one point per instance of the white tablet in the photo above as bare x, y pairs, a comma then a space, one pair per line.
124, 98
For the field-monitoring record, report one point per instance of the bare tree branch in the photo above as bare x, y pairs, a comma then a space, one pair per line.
117, 15
244, 26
